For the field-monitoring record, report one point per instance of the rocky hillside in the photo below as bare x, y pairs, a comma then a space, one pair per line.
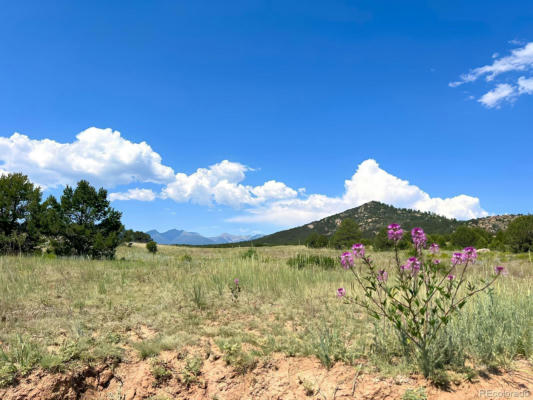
494, 223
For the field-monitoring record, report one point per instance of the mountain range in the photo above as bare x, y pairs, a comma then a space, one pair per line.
371, 217
176, 236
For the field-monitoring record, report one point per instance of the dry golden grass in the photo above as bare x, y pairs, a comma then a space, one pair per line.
59, 312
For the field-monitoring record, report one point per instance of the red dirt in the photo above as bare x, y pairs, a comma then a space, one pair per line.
279, 378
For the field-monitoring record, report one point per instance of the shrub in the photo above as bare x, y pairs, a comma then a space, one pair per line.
465, 236
250, 253
151, 247
519, 234
316, 241
347, 233
160, 371
415, 394
130, 235
241, 361
192, 370
419, 301
186, 258
302, 260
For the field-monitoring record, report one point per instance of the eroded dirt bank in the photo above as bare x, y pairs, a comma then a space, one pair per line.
279, 378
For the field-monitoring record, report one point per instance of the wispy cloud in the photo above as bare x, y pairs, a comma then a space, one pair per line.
519, 61
134, 194
525, 85
502, 92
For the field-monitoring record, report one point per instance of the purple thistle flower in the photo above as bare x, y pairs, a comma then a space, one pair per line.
419, 237
470, 254
395, 232
236, 281
500, 270
451, 277
347, 260
458, 258
382, 276
341, 292
414, 263
434, 248
405, 267
358, 250
436, 262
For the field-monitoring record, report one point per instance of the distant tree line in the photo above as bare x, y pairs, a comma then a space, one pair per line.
518, 237
80, 223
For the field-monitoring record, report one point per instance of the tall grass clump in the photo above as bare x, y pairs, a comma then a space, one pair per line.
19, 358
495, 329
250, 253
303, 260
198, 296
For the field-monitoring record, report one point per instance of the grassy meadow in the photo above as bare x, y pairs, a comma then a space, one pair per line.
58, 313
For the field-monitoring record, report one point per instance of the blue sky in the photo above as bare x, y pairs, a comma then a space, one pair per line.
316, 106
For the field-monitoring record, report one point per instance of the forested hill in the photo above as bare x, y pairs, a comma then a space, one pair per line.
371, 217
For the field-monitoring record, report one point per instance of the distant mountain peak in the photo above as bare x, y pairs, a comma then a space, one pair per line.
177, 236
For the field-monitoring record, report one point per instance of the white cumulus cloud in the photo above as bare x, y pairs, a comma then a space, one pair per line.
370, 182
102, 156
134, 194
273, 190
519, 61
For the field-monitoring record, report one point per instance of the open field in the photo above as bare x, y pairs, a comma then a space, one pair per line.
168, 325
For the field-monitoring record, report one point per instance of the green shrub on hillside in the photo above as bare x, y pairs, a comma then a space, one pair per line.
316, 241
346, 235
519, 234
465, 236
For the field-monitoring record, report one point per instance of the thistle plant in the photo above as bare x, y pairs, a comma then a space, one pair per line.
418, 299
235, 289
